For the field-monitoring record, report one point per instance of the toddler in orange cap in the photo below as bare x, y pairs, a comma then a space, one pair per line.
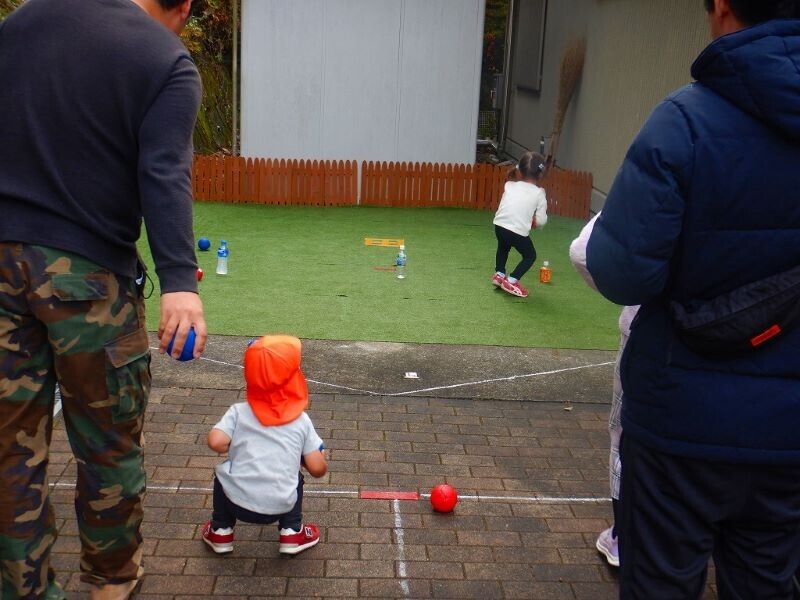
267, 438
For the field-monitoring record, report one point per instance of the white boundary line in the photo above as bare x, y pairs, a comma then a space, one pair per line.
411, 392
534, 499
219, 362
436, 388
208, 490
57, 408
402, 571
348, 389
496, 379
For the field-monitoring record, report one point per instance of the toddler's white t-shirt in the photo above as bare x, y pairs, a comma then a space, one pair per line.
261, 472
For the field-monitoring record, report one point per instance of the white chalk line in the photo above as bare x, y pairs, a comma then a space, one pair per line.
401, 548
535, 499
208, 490
435, 388
532, 499
496, 379
57, 408
219, 362
347, 389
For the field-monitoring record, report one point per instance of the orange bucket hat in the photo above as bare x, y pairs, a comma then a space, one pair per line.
276, 388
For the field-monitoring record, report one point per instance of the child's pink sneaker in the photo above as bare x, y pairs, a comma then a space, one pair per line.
219, 540
497, 280
515, 289
294, 543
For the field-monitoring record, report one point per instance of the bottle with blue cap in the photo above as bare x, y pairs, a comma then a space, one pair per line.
222, 258
400, 262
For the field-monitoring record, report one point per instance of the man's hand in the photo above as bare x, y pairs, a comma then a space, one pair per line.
179, 312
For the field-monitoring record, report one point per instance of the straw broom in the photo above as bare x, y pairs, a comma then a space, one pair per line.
571, 70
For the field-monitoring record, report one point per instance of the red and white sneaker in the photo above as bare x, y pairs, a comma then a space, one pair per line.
497, 280
295, 543
219, 540
515, 289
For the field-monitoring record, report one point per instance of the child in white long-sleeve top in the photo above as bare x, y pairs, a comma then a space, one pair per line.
523, 207
607, 540
267, 439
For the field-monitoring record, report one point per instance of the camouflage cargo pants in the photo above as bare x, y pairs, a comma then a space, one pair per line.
63, 316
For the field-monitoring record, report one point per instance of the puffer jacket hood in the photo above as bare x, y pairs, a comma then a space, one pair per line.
758, 70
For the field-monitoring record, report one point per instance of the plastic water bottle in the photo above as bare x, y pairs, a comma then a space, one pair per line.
222, 258
545, 273
400, 263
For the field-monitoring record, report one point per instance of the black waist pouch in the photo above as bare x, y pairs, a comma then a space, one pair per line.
742, 320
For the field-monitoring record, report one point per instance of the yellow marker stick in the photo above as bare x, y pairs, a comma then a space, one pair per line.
383, 242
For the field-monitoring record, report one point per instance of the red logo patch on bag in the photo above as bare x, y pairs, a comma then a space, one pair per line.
765, 335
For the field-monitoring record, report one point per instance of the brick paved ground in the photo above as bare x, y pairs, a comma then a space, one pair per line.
491, 548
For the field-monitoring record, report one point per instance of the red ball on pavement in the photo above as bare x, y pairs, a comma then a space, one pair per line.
199, 274
444, 498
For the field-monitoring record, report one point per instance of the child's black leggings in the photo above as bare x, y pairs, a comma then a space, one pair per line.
521, 243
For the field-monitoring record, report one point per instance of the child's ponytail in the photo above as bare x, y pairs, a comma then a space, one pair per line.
532, 165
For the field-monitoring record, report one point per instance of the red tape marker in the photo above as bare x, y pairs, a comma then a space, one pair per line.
375, 495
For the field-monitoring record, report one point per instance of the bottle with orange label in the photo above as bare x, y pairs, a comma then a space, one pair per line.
545, 273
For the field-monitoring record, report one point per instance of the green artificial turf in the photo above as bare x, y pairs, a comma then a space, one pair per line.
306, 271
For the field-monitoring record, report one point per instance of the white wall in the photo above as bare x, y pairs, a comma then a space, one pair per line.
361, 79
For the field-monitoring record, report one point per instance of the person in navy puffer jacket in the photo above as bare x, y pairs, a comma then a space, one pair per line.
708, 200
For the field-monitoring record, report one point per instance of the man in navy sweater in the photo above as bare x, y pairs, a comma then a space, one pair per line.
98, 100
707, 202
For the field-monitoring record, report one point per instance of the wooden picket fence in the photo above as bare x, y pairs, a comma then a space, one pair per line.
403, 184
569, 193
477, 186
269, 181
414, 184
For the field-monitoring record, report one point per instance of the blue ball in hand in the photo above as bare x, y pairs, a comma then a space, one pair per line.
204, 244
188, 347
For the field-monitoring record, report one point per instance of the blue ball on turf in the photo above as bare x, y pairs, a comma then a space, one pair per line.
188, 347
204, 243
